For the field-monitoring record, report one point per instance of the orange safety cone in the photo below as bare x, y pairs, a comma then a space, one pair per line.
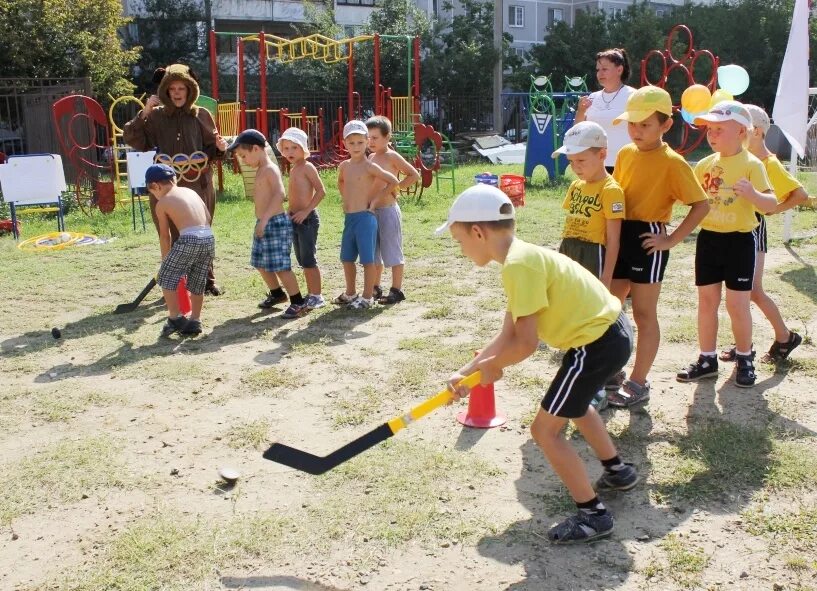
481, 411
183, 295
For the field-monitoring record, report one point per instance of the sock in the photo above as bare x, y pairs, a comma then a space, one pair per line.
708, 353
593, 507
277, 292
742, 354
614, 464
296, 299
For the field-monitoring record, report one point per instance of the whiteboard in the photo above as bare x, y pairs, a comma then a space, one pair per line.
138, 163
32, 179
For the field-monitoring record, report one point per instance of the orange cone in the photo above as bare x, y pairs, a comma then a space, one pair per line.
183, 295
481, 411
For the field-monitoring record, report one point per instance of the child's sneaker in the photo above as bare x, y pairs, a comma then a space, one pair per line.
395, 297
781, 351
295, 311
623, 479
582, 527
361, 303
599, 401
705, 367
630, 394
191, 328
272, 300
344, 299
745, 374
173, 325
314, 301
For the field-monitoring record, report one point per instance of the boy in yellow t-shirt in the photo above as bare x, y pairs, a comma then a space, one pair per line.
556, 300
594, 203
737, 186
653, 177
789, 193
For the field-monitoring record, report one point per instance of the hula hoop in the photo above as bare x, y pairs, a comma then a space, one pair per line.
55, 241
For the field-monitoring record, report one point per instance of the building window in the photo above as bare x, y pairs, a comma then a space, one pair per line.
556, 15
516, 16
355, 2
618, 12
659, 13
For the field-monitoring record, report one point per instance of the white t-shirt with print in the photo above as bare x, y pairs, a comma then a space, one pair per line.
606, 107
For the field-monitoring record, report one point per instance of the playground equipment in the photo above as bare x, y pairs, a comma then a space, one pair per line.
83, 135
666, 64
551, 115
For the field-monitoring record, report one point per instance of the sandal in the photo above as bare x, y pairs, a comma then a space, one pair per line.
377, 292
781, 351
732, 353
581, 528
344, 299
630, 394
395, 296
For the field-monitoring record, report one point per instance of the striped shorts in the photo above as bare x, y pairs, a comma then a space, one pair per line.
586, 369
633, 261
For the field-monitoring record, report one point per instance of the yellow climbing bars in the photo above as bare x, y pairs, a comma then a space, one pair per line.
315, 46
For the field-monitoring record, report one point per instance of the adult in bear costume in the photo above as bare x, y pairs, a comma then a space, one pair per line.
172, 124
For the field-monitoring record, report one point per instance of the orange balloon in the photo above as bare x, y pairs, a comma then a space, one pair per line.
696, 99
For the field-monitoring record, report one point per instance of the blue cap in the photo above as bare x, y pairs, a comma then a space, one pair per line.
253, 137
159, 172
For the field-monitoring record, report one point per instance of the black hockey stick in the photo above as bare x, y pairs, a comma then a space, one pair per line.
307, 462
130, 307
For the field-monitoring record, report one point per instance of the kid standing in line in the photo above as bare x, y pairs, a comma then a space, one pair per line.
789, 193
389, 250
191, 254
553, 299
361, 185
736, 184
272, 242
595, 208
306, 191
653, 177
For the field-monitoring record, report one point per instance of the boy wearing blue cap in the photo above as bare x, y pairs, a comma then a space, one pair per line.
191, 254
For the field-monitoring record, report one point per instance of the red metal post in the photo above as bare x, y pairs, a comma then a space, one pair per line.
242, 87
213, 65
416, 74
304, 122
321, 146
351, 81
377, 99
262, 58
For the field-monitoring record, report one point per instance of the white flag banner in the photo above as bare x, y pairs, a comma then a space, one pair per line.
790, 112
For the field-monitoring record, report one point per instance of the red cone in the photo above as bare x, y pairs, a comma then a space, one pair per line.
184, 297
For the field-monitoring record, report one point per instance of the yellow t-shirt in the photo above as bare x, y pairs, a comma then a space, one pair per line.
589, 206
783, 183
652, 181
717, 175
573, 308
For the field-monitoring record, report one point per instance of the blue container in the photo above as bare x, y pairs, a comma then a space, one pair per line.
486, 178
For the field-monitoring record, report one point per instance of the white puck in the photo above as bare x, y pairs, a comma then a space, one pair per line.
229, 474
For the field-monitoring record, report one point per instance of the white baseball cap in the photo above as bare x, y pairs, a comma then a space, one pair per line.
582, 136
760, 118
296, 136
480, 203
726, 111
355, 126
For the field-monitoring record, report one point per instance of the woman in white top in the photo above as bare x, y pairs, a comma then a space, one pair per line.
612, 72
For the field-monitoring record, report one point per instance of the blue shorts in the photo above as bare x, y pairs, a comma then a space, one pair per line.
359, 237
305, 240
271, 252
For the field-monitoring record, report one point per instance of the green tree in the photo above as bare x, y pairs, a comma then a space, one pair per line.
170, 31
66, 38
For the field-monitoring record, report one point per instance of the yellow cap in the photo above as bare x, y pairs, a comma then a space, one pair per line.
644, 102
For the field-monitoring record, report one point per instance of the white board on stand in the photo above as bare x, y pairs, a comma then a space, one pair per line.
36, 179
138, 163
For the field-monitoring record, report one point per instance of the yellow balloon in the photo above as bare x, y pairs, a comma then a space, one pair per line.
696, 99
719, 96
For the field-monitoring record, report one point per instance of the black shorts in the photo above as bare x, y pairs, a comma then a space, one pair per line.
586, 369
760, 233
727, 257
305, 240
633, 261
588, 254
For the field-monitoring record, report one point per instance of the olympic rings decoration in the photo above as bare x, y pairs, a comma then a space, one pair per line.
188, 166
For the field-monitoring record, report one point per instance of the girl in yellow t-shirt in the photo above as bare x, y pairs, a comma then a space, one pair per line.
736, 185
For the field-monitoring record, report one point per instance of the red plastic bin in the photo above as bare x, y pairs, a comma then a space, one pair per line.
513, 186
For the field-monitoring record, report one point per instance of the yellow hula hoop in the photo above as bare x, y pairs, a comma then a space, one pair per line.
53, 241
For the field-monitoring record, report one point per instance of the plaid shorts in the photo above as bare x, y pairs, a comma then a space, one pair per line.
191, 256
272, 251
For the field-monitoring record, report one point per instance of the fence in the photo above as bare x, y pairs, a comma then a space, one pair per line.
25, 112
